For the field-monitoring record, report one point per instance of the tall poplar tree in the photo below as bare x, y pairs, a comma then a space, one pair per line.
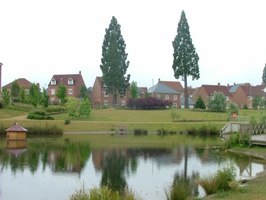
114, 62
186, 59
264, 74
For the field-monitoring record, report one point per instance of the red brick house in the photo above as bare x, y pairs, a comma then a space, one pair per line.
164, 92
206, 91
22, 82
100, 97
245, 94
73, 83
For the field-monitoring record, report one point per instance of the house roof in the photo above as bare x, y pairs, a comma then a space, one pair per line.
173, 84
190, 101
63, 78
253, 90
16, 128
233, 88
22, 82
161, 88
210, 89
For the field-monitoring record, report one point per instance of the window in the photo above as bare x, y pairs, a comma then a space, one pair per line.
52, 99
52, 91
70, 81
27, 91
105, 102
227, 98
175, 97
175, 105
123, 103
70, 91
53, 82
250, 98
158, 96
166, 97
105, 94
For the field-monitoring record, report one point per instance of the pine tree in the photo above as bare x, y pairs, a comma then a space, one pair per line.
264, 74
114, 62
200, 103
186, 59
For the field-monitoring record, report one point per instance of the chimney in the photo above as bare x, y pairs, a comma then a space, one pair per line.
79, 72
0, 77
159, 80
218, 84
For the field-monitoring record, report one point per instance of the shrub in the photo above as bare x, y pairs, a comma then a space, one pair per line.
138, 132
224, 177
208, 183
67, 121
39, 116
148, 103
1, 105
47, 130
103, 193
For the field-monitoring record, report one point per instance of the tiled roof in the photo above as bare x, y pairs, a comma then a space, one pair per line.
161, 88
22, 82
234, 87
253, 90
172, 84
16, 128
210, 89
63, 78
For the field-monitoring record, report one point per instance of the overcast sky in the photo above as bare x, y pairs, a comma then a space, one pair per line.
40, 38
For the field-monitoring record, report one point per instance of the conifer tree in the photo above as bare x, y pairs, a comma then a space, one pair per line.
185, 61
264, 74
114, 62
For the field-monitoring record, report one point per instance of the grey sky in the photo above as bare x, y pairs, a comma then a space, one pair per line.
42, 38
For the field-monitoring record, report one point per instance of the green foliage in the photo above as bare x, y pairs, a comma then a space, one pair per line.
15, 90
208, 183
47, 130
39, 116
62, 94
222, 180
45, 98
55, 109
245, 107
186, 59
67, 121
6, 97
237, 140
34, 94
114, 62
175, 115
22, 95
257, 102
138, 132
180, 190
85, 108
134, 90
164, 132
232, 108
72, 107
203, 130
200, 103
217, 102
83, 93
264, 74
103, 193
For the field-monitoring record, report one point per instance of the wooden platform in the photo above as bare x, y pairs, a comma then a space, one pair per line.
258, 139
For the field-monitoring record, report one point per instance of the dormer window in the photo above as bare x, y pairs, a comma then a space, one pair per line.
70, 81
53, 82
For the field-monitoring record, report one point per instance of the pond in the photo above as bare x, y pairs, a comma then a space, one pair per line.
52, 169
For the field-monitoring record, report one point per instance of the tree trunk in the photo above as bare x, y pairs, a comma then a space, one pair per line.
114, 99
186, 91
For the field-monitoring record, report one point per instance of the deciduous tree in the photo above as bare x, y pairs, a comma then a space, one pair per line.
134, 92
217, 102
114, 62
85, 108
264, 74
61, 93
186, 59
15, 90
6, 96
83, 93
34, 94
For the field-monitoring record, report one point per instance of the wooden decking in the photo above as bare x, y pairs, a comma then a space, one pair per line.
258, 139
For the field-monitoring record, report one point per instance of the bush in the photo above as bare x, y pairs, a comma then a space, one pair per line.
148, 103
1, 105
67, 121
203, 130
103, 193
55, 109
138, 132
208, 183
39, 116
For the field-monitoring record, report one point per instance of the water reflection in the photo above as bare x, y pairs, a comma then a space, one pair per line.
67, 165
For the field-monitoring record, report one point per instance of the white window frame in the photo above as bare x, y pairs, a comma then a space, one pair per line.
70, 91
166, 97
52, 91
250, 98
105, 102
175, 97
158, 96
53, 82
70, 81
105, 94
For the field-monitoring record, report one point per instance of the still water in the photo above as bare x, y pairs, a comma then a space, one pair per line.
54, 170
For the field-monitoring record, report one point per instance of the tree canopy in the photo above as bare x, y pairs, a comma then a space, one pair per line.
62, 94
114, 62
34, 94
15, 90
217, 102
185, 62
134, 90
264, 74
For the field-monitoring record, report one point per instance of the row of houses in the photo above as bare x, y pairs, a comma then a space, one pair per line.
241, 94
